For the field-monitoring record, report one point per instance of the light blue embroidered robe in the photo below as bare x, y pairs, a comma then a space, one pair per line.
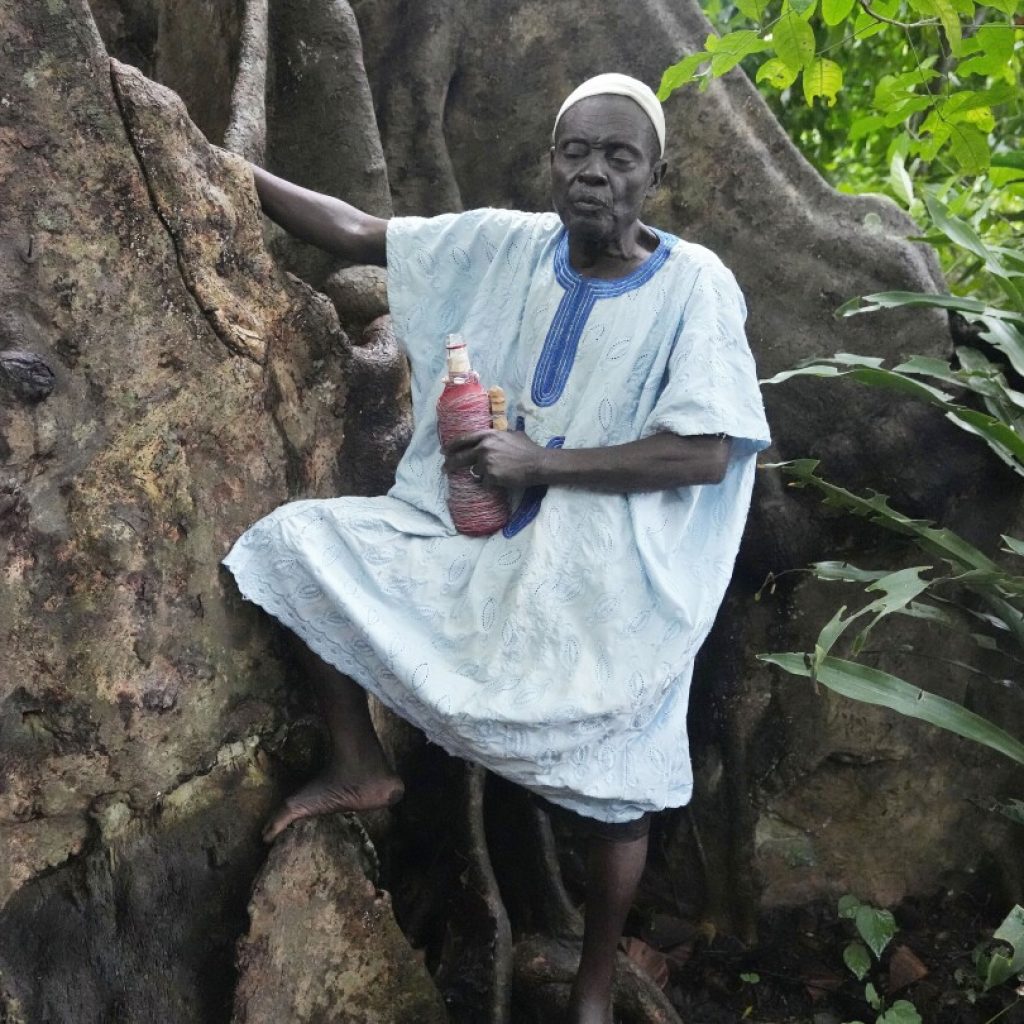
557, 653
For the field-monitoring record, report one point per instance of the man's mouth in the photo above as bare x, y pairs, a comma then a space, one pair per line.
585, 202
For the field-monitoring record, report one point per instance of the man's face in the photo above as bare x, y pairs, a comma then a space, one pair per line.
604, 164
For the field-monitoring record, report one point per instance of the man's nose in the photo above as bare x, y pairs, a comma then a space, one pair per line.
593, 172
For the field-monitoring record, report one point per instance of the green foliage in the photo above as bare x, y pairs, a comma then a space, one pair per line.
960, 589
876, 927
881, 93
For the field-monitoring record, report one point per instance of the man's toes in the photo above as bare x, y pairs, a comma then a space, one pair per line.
279, 823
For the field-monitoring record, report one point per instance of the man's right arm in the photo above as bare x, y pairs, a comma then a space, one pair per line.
323, 221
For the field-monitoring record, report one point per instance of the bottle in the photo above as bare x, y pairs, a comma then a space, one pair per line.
464, 408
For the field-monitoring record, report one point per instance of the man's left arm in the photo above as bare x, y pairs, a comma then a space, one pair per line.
656, 463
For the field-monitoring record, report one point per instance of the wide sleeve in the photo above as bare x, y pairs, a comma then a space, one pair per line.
435, 268
710, 380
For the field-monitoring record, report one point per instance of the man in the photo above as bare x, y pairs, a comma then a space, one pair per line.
559, 651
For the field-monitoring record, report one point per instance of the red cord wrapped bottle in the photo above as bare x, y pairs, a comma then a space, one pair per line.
464, 408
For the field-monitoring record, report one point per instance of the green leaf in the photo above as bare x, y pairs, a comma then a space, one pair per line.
753, 9
1013, 544
777, 73
955, 229
727, 51
897, 300
835, 11
750, 977
864, 25
1014, 159
872, 686
679, 74
823, 78
994, 46
901, 1012
848, 906
872, 997
1012, 809
899, 180
876, 927
845, 573
865, 126
1006, 337
894, 89
857, 959
1006, 6
802, 6
951, 23
969, 147
1002, 966
794, 41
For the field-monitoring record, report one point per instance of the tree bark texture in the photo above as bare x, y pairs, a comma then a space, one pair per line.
164, 381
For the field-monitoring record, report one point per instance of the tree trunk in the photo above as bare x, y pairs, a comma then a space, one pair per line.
165, 382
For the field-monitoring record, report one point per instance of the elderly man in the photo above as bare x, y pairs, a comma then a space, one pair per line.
557, 652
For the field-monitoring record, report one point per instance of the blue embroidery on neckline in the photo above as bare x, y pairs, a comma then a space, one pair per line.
529, 504
581, 293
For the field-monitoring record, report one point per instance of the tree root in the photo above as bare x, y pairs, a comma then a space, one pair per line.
246, 133
544, 969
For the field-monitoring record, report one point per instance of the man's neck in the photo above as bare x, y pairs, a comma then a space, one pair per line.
608, 259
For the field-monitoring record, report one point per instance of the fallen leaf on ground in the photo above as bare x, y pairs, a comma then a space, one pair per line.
648, 959
904, 968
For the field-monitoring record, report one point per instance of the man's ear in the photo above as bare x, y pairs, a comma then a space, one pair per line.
657, 174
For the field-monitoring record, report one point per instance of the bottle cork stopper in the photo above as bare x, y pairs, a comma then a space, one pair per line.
458, 356
499, 419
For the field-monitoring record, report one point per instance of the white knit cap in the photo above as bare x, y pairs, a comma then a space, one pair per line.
615, 84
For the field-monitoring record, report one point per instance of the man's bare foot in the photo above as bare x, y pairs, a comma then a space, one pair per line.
582, 1014
336, 790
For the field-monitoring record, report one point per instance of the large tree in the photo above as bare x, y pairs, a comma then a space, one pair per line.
164, 381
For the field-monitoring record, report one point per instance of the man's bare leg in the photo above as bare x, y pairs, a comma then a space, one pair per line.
357, 777
613, 872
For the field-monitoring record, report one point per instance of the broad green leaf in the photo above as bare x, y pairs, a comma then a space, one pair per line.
1006, 337
865, 126
794, 41
896, 300
857, 958
1013, 544
969, 147
848, 906
893, 89
869, 375
955, 229
835, 11
1014, 159
1012, 809
803, 6
777, 73
872, 686
935, 540
831, 632
876, 927
727, 51
753, 9
1002, 966
679, 74
901, 1012
899, 180
951, 23
846, 573
872, 997
823, 78
1010, 7
993, 45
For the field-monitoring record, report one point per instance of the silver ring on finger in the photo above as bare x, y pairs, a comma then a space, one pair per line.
474, 474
